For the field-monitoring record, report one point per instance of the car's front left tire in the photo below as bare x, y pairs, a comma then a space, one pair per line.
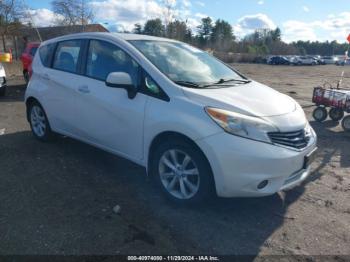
38, 122
182, 172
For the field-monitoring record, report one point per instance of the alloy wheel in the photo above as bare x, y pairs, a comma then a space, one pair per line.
179, 174
38, 121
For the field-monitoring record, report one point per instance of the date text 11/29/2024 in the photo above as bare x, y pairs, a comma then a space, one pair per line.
173, 258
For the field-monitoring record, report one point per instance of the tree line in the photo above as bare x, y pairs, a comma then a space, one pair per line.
212, 35
219, 36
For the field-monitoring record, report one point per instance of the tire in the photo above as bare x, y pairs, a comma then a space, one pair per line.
336, 114
192, 188
346, 123
320, 114
39, 123
3, 91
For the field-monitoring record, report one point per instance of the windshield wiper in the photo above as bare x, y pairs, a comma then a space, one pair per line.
188, 84
223, 81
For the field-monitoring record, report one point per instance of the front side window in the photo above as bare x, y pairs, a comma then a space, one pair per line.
184, 63
104, 58
45, 53
67, 56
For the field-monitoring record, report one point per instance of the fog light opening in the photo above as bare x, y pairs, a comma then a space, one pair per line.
263, 184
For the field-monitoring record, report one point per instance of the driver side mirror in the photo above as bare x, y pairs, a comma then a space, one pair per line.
122, 80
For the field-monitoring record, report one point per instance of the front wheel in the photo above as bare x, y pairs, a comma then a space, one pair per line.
336, 114
346, 123
320, 114
38, 122
182, 172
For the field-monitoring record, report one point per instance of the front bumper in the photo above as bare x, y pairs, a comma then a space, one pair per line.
239, 165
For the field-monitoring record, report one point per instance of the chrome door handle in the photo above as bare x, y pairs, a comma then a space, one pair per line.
84, 89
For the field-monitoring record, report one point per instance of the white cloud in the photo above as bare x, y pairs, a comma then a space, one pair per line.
297, 30
247, 24
200, 15
334, 27
122, 15
41, 17
200, 3
306, 9
186, 3
261, 2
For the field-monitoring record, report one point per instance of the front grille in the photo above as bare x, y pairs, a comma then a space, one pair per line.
297, 139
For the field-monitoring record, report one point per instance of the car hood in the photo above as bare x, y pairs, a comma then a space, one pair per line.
252, 99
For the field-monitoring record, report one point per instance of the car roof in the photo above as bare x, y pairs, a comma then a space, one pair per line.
107, 35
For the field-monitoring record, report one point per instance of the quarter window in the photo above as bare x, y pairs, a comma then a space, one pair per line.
104, 58
67, 56
45, 53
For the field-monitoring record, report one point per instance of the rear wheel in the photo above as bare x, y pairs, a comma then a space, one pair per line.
182, 172
346, 123
320, 114
336, 114
38, 122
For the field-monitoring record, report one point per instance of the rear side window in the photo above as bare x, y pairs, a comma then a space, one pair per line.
67, 56
45, 53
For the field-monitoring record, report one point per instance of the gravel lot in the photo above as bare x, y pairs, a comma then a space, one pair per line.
58, 198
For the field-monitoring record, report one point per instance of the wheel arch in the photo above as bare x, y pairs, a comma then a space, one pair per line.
172, 135
28, 102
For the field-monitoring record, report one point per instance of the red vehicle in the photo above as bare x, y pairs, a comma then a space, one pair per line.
339, 102
27, 58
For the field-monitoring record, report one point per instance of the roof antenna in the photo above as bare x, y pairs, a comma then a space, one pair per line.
31, 20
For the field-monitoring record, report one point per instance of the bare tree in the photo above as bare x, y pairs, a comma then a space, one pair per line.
11, 12
73, 12
168, 11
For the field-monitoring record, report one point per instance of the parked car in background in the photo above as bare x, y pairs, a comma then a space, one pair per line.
2, 80
278, 60
330, 60
319, 59
195, 124
304, 60
27, 58
343, 62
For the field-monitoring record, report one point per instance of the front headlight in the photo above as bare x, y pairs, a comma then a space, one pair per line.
241, 125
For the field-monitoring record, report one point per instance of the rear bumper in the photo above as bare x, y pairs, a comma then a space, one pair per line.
239, 165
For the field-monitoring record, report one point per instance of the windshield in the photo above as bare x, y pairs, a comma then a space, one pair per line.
185, 64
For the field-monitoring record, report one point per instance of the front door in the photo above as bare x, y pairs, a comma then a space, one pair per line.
108, 117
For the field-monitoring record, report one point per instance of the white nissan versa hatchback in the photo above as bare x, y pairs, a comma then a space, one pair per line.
197, 125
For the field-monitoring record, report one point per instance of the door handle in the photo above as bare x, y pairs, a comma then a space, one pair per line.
84, 89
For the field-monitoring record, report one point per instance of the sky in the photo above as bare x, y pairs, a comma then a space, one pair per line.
298, 19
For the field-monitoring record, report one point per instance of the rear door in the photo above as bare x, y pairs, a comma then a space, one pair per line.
107, 116
63, 80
